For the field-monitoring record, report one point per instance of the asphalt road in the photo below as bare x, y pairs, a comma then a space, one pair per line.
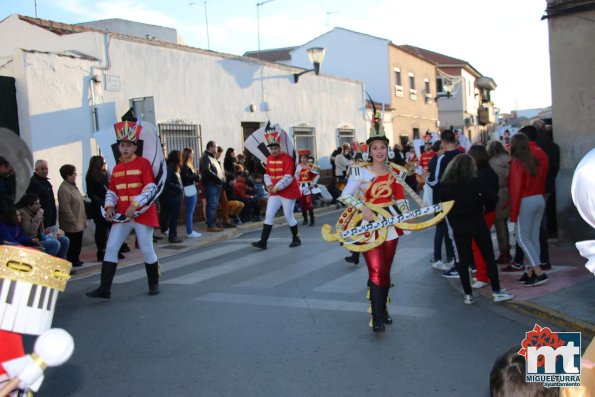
235, 321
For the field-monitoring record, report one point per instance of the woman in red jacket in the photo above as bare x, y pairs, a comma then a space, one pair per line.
526, 184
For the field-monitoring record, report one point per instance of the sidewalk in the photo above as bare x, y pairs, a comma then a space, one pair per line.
566, 300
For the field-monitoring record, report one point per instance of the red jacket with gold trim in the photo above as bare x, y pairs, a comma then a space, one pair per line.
279, 172
127, 183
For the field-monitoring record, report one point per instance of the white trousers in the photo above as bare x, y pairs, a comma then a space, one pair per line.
119, 233
274, 203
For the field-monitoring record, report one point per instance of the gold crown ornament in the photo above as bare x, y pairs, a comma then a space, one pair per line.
32, 266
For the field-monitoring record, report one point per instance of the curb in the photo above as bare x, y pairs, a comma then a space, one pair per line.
528, 308
555, 317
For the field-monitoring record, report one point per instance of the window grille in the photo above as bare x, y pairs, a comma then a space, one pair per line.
305, 138
346, 135
180, 136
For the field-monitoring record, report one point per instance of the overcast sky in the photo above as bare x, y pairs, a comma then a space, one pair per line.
504, 39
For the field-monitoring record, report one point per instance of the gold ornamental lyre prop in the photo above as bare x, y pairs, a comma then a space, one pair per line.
359, 237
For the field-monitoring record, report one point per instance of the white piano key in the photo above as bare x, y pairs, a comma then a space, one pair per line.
26, 319
42, 310
49, 310
4, 283
16, 301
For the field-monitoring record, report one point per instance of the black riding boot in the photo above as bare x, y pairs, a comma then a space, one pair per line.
305, 216
295, 241
153, 277
311, 217
108, 271
353, 258
378, 301
264, 236
385, 316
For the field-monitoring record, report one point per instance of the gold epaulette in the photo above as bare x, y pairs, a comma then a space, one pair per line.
315, 167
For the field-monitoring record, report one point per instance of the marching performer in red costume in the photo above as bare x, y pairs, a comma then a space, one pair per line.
307, 175
30, 282
129, 204
283, 190
376, 183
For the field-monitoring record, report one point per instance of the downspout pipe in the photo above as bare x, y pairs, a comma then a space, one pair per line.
93, 80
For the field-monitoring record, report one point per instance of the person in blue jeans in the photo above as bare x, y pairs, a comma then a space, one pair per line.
212, 181
189, 180
173, 193
441, 232
11, 232
32, 226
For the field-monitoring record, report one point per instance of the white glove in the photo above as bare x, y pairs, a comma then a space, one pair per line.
27, 370
587, 250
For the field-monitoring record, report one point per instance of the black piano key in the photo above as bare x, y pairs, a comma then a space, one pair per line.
1, 285
11, 288
31, 300
51, 299
41, 297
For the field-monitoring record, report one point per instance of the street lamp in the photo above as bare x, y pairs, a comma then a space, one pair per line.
316, 56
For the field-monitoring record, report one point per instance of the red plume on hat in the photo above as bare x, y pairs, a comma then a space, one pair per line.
127, 131
304, 152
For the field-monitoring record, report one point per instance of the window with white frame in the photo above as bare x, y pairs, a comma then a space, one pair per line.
398, 82
412, 90
427, 88
305, 138
346, 135
439, 85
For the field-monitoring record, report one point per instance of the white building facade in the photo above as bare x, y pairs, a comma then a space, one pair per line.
72, 81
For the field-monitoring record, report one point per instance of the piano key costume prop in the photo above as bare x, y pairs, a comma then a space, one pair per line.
583, 196
135, 183
378, 186
307, 175
281, 184
30, 281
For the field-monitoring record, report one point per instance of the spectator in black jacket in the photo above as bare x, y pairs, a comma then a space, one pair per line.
545, 141
173, 193
450, 149
460, 183
212, 180
488, 176
97, 185
7, 185
41, 187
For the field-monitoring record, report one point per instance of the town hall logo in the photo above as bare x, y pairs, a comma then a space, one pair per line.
552, 358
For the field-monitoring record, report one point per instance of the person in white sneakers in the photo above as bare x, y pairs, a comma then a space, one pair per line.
189, 180
471, 195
